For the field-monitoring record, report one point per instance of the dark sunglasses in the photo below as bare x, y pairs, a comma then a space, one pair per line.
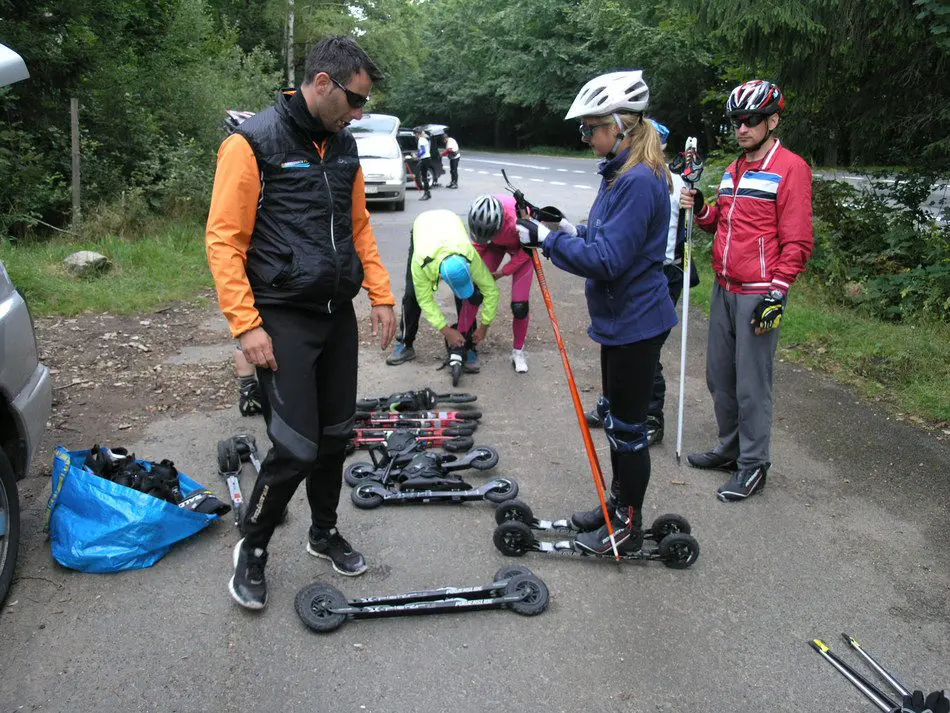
587, 130
356, 101
750, 120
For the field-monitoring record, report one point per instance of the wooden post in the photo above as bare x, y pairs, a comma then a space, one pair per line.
74, 126
290, 43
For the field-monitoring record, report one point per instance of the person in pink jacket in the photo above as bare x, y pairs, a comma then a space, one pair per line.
492, 226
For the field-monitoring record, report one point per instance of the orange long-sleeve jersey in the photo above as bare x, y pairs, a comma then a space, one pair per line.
237, 189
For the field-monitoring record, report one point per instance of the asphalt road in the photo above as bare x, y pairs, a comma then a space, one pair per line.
849, 536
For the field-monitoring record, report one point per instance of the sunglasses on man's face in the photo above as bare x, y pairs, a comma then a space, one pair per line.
750, 120
356, 101
587, 130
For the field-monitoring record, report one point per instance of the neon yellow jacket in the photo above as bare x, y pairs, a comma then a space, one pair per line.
436, 234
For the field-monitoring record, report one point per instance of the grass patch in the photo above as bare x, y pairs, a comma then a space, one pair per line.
902, 364
148, 271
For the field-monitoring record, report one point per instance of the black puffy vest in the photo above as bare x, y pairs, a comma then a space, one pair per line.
302, 251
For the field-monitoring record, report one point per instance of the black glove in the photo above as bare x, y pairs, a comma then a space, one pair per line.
936, 702
531, 233
768, 313
698, 201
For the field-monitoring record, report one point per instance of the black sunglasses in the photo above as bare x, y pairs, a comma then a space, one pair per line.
750, 120
587, 130
356, 101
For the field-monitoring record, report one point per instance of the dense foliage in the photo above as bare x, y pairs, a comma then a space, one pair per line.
153, 77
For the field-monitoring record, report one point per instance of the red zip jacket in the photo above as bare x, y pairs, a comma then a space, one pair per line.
762, 221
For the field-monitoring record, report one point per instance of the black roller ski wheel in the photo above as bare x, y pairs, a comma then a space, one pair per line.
313, 604
512, 570
457, 445
365, 498
456, 398
484, 458
229, 460
669, 524
514, 510
468, 415
458, 431
358, 473
534, 594
506, 489
513, 539
679, 550
456, 371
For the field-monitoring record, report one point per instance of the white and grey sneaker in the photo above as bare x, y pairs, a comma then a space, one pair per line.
518, 361
247, 585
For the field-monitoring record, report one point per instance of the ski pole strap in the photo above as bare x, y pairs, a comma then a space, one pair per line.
689, 164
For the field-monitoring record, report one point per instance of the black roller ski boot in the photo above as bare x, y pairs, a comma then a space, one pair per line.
628, 534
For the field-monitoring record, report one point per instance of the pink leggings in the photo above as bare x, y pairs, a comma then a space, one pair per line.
520, 292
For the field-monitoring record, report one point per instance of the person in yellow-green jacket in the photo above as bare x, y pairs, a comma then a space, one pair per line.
441, 250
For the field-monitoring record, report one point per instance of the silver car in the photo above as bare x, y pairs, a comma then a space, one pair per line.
26, 392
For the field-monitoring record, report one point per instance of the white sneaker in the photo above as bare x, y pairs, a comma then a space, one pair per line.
519, 361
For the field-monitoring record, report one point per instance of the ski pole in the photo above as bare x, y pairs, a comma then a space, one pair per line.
882, 672
578, 407
873, 693
692, 170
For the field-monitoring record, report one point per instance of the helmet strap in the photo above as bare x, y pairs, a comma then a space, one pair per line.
621, 136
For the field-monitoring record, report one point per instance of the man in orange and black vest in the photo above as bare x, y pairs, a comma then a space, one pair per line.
289, 244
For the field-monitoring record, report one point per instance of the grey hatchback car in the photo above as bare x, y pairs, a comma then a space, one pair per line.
25, 388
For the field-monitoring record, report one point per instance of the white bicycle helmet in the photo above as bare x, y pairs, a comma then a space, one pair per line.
485, 218
610, 93
757, 96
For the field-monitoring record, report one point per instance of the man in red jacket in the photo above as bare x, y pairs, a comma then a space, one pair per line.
763, 225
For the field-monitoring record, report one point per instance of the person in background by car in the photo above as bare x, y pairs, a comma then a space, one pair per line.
287, 263
423, 155
452, 151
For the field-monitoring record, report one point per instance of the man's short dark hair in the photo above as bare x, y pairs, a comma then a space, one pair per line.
341, 58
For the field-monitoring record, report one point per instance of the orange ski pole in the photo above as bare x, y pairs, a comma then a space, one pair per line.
576, 396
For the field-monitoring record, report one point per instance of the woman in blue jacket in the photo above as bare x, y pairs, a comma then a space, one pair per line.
620, 251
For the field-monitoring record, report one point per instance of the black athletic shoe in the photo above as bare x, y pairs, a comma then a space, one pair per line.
654, 430
744, 483
590, 520
330, 545
629, 537
712, 460
249, 402
594, 421
248, 586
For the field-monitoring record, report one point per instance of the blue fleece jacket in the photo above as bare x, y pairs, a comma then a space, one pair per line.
621, 251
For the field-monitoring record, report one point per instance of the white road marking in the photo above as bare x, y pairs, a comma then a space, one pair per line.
538, 180
577, 185
557, 183
562, 170
576, 171
510, 163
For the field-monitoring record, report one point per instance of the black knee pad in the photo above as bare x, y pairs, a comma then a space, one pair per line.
625, 437
519, 310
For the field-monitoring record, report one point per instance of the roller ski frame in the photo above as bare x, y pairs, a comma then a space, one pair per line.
364, 431
229, 468
416, 400
675, 546
454, 444
400, 416
324, 608
386, 469
367, 496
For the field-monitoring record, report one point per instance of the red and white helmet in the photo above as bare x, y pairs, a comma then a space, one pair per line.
610, 93
757, 96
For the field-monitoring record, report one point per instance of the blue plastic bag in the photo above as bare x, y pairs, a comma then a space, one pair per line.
96, 525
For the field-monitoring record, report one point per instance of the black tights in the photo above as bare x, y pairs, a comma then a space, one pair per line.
627, 381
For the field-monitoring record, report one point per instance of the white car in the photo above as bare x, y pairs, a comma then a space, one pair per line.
384, 170
375, 124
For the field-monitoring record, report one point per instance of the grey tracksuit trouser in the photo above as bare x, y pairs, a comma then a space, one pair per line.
739, 368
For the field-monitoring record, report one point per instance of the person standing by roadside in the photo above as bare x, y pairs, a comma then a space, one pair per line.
452, 151
620, 252
287, 262
423, 157
762, 222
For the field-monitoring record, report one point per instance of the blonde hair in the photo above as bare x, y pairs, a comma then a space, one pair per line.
643, 141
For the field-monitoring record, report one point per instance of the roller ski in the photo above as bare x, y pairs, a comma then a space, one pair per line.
453, 444
670, 538
324, 609
461, 428
385, 469
382, 431
229, 468
423, 480
399, 416
909, 701
418, 400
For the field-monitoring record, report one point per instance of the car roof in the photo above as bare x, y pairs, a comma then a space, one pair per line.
12, 66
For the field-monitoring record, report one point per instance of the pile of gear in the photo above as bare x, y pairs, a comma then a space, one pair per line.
160, 480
